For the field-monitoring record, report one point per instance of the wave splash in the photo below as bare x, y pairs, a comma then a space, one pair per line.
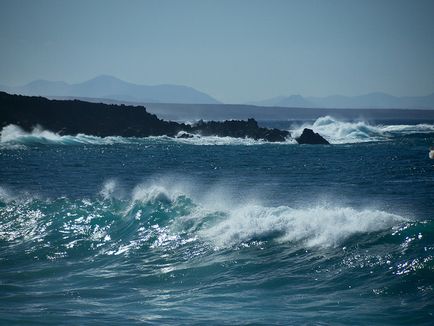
320, 225
13, 136
334, 130
342, 132
157, 216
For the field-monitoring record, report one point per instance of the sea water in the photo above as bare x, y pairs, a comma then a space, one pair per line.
124, 231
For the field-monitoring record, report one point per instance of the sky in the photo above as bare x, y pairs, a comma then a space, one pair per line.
235, 51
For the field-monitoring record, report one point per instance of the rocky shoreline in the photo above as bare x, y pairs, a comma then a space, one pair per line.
71, 117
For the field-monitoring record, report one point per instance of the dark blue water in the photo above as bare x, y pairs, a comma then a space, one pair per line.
220, 231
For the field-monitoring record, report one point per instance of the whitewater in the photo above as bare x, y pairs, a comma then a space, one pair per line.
334, 130
214, 230
347, 132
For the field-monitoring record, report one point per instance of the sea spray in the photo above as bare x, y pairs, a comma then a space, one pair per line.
312, 226
152, 205
158, 231
338, 132
14, 135
347, 132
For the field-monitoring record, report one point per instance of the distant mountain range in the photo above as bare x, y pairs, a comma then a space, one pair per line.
367, 101
108, 87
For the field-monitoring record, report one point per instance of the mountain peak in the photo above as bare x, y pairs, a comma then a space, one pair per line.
102, 78
365, 101
110, 87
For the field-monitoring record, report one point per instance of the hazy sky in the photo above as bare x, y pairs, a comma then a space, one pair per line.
236, 51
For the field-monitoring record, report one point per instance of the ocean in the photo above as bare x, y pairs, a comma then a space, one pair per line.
125, 231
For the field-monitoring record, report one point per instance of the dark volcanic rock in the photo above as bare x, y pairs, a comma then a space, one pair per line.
73, 117
310, 137
239, 129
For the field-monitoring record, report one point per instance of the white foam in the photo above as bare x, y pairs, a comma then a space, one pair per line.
335, 131
323, 226
342, 132
219, 141
408, 129
13, 134
230, 222
15, 138
209, 217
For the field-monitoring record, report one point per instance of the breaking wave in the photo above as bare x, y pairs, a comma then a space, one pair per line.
342, 132
165, 235
14, 137
156, 215
334, 130
320, 225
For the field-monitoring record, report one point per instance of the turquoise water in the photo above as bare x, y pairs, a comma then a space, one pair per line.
218, 230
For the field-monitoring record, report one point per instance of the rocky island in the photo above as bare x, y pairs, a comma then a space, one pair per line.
71, 117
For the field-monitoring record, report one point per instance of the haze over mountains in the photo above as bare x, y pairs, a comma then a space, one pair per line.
111, 88
367, 101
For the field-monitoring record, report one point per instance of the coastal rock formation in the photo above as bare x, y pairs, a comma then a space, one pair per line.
74, 117
239, 129
310, 137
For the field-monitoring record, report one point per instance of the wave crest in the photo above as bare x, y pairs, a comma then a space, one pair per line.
321, 225
334, 130
14, 137
342, 132
160, 214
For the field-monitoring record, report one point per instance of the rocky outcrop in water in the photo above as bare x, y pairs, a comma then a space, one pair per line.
310, 137
239, 129
73, 117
